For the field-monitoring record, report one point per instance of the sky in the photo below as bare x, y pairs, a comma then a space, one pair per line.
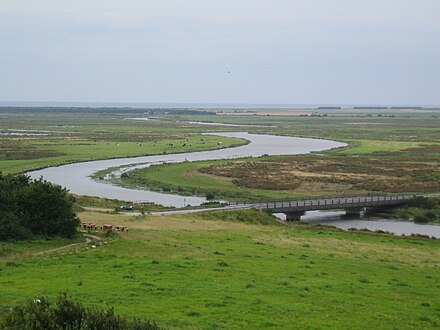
372, 52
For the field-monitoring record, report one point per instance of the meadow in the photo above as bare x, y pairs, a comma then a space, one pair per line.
237, 269
233, 269
63, 138
396, 152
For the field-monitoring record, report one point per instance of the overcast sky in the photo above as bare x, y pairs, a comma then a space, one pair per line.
221, 51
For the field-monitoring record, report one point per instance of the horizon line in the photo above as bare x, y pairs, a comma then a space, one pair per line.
119, 104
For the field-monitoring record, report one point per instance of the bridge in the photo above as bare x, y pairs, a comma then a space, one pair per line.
294, 209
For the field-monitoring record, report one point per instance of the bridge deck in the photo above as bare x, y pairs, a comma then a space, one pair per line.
331, 203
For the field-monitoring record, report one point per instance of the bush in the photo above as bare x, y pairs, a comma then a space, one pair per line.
210, 196
34, 207
422, 202
431, 215
421, 219
68, 314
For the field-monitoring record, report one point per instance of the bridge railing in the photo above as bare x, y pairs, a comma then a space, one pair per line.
344, 200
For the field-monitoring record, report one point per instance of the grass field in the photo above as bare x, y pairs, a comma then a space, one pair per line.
236, 269
342, 125
364, 167
219, 271
391, 151
88, 136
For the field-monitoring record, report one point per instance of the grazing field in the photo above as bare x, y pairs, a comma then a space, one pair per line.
35, 140
389, 151
217, 270
342, 125
361, 168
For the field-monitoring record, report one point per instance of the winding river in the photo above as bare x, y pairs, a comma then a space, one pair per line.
77, 178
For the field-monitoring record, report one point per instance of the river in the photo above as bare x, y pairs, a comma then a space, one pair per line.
77, 177
339, 220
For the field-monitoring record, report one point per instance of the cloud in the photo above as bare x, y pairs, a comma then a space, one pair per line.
278, 51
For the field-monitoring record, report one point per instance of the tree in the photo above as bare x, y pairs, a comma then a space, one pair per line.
35, 207
11, 227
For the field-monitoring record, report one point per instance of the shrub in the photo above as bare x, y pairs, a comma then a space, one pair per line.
34, 207
431, 215
421, 219
68, 314
422, 202
210, 196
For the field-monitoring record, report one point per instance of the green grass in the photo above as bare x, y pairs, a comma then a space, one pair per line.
411, 212
394, 166
186, 272
93, 134
371, 147
22, 250
111, 205
68, 151
183, 178
234, 269
342, 125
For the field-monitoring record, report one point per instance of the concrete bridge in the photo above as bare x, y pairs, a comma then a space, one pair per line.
352, 205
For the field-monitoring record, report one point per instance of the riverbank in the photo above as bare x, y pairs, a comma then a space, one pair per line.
423, 210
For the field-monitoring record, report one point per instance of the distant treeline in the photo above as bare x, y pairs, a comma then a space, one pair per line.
379, 108
104, 110
391, 108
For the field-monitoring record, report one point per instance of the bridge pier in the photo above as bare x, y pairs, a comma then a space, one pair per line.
294, 216
353, 211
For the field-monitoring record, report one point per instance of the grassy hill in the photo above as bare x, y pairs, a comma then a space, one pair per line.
231, 270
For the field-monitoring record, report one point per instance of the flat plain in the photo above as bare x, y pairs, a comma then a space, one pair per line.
236, 269
391, 152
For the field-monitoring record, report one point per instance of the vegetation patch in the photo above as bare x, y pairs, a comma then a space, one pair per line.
67, 313
419, 209
34, 207
234, 274
283, 177
247, 216
13, 149
366, 174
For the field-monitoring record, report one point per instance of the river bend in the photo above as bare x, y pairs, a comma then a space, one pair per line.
77, 176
